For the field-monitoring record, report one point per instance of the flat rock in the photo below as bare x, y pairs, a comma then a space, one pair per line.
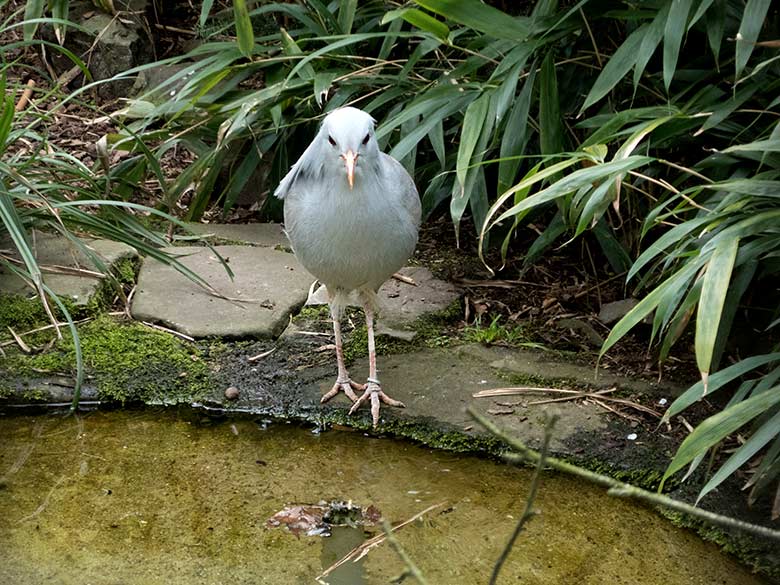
256, 234
268, 286
541, 365
439, 385
54, 250
614, 311
401, 304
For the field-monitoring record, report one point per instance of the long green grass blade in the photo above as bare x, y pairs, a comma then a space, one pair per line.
33, 11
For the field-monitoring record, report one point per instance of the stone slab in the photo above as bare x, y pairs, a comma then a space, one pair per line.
256, 234
400, 303
52, 250
268, 286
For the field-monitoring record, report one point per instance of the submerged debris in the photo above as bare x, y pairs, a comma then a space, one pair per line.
317, 519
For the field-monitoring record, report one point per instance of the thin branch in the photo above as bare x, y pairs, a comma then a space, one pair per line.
529, 511
618, 488
362, 550
411, 568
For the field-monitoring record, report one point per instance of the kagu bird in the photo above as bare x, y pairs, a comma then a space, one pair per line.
352, 214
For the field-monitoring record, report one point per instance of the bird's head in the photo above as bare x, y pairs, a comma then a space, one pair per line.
348, 137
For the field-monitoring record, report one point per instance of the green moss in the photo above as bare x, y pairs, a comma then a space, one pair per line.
129, 362
753, 552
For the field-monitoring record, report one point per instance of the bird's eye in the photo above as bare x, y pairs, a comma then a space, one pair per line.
365, 140
330, 139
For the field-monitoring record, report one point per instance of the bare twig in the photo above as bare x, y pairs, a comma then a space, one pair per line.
570, 395
618, 488
529, 511
166, 330
362, 550
260, 356
411, 568
22, 103
403, 278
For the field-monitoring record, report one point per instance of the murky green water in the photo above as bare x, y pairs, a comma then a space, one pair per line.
157, 497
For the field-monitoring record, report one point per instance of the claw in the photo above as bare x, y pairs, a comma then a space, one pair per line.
345, 386
374, 391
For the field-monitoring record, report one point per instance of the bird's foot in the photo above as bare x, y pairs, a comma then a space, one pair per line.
346, 386
373, 390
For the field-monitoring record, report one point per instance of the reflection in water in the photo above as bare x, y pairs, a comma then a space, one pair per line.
161, 497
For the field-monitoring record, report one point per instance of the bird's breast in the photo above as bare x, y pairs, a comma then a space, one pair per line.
349, 239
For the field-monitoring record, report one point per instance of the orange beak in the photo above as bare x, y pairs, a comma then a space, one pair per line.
350, 159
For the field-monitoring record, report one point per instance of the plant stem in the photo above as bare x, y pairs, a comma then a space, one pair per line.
529, 511
618, 488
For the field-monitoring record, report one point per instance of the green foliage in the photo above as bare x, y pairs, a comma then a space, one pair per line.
495, 333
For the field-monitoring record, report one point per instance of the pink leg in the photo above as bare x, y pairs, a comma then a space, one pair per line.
373, 388
343, 382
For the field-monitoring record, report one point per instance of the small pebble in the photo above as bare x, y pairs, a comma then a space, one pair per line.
231, 393
662, 402
632, 437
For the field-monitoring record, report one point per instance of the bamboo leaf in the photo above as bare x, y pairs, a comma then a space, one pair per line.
718, 380
650, 40
550, 124
481, 17
675, 28
617, 67
473, 121
752, 20
716, 26
719, 426
515, 134
680, 278
767, 432
713, 295
421, 20
244, 32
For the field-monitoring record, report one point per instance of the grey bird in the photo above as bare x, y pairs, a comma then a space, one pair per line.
352, 214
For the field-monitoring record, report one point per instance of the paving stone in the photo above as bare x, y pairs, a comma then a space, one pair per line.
268, 286
55, 250
614, 311
257, 234
401, 304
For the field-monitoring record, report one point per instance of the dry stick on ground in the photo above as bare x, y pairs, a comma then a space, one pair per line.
529, 511
572, 395
362, 550
22, 103
411, 568
618, 488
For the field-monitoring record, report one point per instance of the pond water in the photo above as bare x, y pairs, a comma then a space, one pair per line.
171, 497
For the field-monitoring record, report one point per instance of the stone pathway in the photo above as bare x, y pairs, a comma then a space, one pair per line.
66, 266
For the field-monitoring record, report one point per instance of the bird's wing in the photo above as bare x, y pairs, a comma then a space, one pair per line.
304, 169
397, 180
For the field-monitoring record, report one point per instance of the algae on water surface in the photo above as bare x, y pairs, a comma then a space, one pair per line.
171, 497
